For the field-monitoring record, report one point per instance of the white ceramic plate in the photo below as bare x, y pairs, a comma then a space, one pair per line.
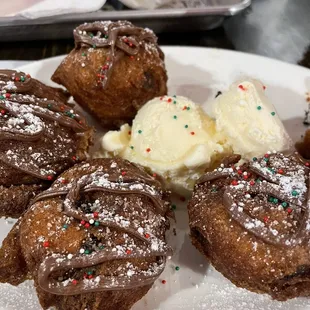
197, 73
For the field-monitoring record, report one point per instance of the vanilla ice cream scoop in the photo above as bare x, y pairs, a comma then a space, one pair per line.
249, 121
172, 137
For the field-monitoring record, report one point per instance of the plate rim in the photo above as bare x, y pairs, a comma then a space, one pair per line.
172, 48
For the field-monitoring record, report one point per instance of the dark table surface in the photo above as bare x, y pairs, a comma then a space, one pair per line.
275, 28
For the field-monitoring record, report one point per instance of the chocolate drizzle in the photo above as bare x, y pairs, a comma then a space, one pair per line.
33, 114
273, 178
133, 182
121, 37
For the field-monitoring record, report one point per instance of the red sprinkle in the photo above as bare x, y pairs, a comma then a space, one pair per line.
182, 198
124, 173
83, 222
192, 133
289, 210
90, 276
2, 112
245, 177
184, 108
239, 171
169, 100
131, 57
163, 281
62, 108
154, 175
28, 76
242, 87
96, 214
252, 183
307, 164
266, 219
234, 182
46, 244
264, 87
7, 95
266, 155
17, 79
74, 282
64, 181
148, 150
128, 252
129, 132
147, 236
50, 178
280, 171
80, 122
87, 225
74, 158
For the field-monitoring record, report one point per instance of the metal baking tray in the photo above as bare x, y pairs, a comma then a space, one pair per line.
194, 15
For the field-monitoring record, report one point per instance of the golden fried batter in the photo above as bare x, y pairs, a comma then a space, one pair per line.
251, 222
95, 240
114, 69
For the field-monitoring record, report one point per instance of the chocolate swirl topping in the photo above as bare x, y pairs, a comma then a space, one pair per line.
121, 37
123, 183
36, 126
262, 192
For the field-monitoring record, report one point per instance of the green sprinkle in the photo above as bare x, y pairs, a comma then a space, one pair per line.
97, 223
1, 97
22, 78
275, 200
273, 113
174, 102
83, 54
174, 96
89, 272
65, 226
132, 147
266, 159
101, 247
177, 268
295, 193
91, 35
259, 107
188, 108
254, 158
214, 190
140, 131
49, 106
106, 37
94, 46
72, 116
284, 204
175, 117
87, 252
186, 126
270, 199
258, 180
173, 207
